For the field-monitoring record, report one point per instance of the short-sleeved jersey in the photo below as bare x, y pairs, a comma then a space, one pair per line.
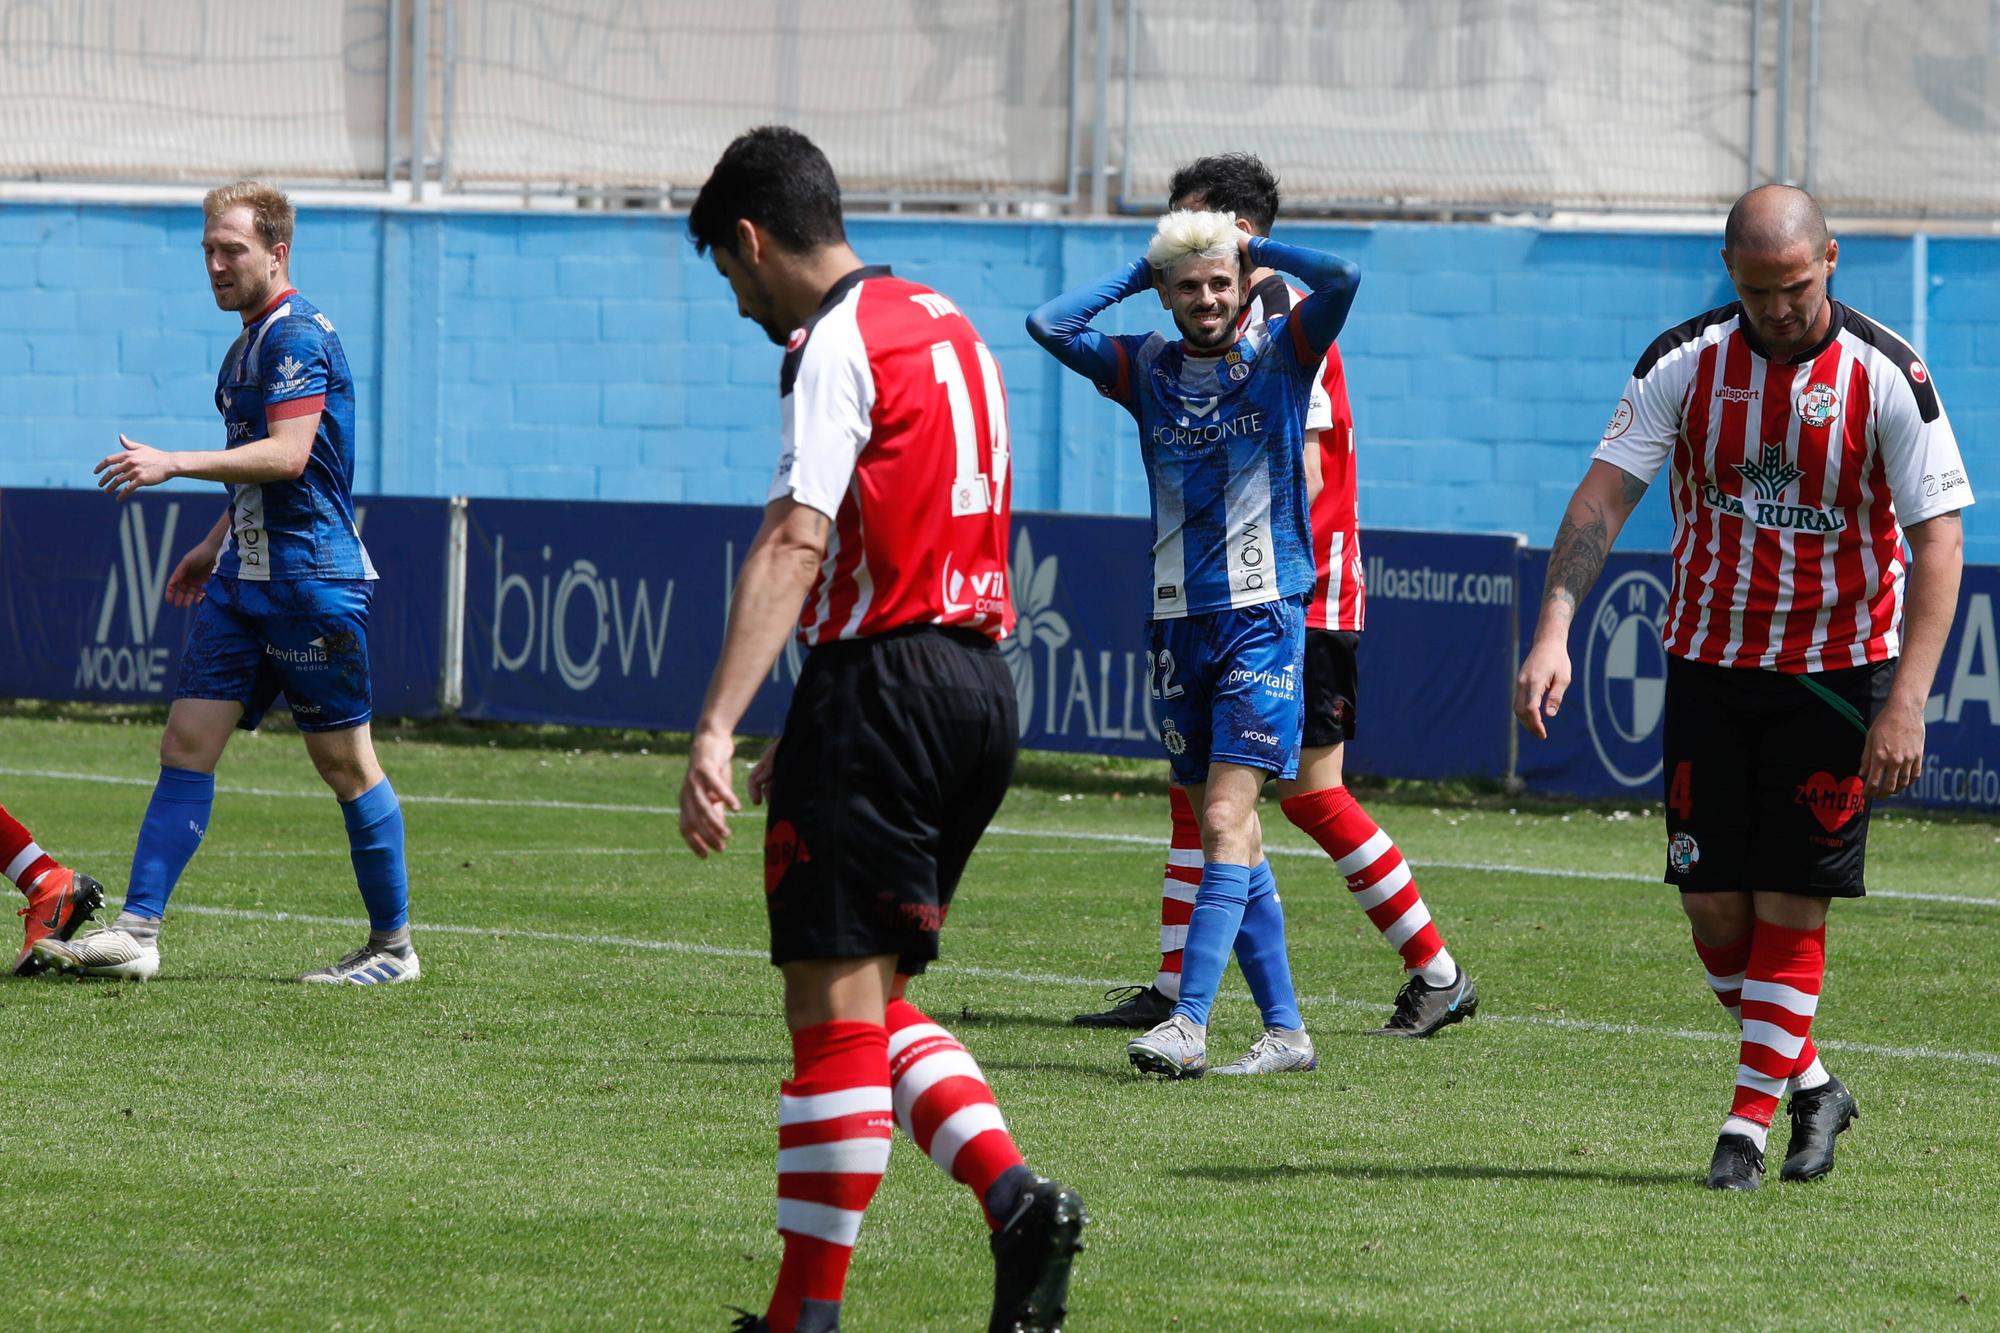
895, 427
1788, 482
1223, 439
287, 363
1339, 599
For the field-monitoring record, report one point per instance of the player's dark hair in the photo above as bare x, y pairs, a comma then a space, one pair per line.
777, 178
1236, 183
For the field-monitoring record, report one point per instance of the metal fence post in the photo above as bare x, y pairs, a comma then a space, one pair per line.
1756, 90
1073, 129
1100, 131
446, 93
394, 9
1781, 158
1812, 91
420, 97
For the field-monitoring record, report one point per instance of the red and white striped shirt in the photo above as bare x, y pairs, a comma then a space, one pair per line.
1788, 482
895, 427
1338, 600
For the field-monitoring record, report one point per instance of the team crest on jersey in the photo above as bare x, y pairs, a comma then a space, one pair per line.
1239, 372
1171, 737
1625, 677
1819, 404
1682, 853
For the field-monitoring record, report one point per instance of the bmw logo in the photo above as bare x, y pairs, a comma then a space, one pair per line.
1625, 677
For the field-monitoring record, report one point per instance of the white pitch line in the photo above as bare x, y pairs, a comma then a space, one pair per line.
1060, 979
998, 830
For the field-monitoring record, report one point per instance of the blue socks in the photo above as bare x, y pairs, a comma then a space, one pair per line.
375, 844
1260, 952
1212, 929
176, 818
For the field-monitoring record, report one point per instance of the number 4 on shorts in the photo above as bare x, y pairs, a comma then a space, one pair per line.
1680, 792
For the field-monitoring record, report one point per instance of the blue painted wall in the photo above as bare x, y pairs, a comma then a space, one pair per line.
592, 356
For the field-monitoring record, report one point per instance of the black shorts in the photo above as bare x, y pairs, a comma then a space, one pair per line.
1763, 779
897, 750
1331, 676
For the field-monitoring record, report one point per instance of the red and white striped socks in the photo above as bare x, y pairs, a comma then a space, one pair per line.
1781, 986
1177, 893
834, 1127
24, 862
943, 1103
1377, 877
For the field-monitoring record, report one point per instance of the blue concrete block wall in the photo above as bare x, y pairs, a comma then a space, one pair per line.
582, 356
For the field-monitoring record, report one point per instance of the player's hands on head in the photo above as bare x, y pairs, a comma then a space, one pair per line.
708, 793
1540, 686
133, 466
1893, 754
760, 775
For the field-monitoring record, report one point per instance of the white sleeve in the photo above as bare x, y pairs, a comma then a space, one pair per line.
1920, 458
1641, 433
826, 416
1319, 411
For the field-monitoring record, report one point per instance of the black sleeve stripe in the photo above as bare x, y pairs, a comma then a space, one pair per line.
1680, 335
1915, 374
1275, 294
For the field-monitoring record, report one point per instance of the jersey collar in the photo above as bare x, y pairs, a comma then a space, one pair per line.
847, 284
274, 303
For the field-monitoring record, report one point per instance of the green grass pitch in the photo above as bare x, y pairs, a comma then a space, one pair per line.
570, 1121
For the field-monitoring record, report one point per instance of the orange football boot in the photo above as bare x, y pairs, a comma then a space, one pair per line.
61, 900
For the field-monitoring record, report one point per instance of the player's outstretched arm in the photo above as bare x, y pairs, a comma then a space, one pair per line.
1333, 281
1062, 326
1597, 511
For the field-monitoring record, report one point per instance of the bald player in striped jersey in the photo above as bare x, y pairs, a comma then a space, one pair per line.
1221, 416
1799, 438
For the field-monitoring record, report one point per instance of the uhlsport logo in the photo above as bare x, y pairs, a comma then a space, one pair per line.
121, 655
1625, 677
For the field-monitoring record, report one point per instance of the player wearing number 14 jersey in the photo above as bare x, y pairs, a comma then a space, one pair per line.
883, 546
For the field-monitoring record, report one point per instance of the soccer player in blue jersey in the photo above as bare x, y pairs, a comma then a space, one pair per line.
1221, 418
281, 587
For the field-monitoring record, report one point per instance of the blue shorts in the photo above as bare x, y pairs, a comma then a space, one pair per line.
1226, 686
304, 638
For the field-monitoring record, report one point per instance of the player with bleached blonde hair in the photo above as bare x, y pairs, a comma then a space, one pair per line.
1221, 415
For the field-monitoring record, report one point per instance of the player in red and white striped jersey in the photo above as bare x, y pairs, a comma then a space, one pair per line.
1800, 439
884, 547
1435, 992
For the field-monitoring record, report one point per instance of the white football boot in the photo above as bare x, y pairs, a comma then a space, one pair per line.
1278, 1051
1177, 1048
107, 952
368, 966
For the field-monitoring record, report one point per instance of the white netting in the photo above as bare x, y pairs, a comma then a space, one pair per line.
1577, 103
191, 89
1909, 107
907, 96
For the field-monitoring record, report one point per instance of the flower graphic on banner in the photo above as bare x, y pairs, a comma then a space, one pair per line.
1035, 617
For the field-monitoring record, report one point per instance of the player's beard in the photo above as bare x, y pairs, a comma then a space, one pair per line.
764, 311
1202, 341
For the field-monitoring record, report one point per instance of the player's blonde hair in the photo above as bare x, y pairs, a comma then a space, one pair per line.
270, 212
1189, 233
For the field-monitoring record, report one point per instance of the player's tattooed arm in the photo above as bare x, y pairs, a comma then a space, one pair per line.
1596, 514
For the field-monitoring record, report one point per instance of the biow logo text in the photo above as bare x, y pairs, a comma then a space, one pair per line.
536, 621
